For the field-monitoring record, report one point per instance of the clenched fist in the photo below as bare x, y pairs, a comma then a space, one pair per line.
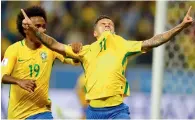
76, 47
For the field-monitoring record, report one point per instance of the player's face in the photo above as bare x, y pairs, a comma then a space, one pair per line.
103, 25
40, 23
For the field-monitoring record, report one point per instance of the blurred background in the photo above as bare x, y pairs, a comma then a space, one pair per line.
70, 21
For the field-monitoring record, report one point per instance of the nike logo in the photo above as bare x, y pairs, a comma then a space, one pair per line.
19, 60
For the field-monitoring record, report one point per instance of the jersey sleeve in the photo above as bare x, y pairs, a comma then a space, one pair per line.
8, 61
58, 56
70, 53
79, 56
71, 61
133, 46
66, 60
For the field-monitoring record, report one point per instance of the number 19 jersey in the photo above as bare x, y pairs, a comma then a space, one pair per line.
23, 63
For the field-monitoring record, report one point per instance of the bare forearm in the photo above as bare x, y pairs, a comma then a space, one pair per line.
6, 79
48, 41
45, 39
162, 38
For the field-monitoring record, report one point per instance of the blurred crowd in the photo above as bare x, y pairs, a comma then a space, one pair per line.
179, 52
70, 21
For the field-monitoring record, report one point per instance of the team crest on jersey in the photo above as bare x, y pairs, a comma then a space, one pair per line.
43, 56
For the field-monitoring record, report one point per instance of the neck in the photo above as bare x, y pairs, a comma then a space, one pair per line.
98, 37
30, 44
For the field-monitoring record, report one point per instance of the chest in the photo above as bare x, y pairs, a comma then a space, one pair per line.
37, 56
104, 58
32, 63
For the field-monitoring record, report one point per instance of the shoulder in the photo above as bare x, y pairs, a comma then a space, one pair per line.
15, 45
13, 49
119, 38
85, 47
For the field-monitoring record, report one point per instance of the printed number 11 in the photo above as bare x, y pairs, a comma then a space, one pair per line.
103, 44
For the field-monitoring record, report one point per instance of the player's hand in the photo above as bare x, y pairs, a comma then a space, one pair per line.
28, 85
26, 23
76, 47
188, 20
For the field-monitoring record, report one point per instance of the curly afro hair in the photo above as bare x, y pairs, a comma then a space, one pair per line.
31, 12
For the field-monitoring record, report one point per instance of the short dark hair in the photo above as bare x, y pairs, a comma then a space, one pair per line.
30, 12
100, 18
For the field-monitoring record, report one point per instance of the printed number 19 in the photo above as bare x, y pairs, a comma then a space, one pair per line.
35, 68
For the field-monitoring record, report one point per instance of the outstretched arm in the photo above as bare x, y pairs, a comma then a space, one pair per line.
166, 36
48, 40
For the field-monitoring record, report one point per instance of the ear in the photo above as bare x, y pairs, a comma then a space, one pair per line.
95, 33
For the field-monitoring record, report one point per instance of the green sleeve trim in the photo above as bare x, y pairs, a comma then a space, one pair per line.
126, 87
127, 55
22, 42
82, 66
85, 89
123, 73
52, 63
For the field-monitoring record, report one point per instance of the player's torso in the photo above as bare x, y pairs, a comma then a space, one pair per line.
35, 65
106, 65
109, 58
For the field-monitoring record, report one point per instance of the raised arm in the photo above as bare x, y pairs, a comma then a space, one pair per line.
45, 39
160, 39
48, 40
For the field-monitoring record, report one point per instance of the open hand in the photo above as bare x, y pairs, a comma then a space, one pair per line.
28, 85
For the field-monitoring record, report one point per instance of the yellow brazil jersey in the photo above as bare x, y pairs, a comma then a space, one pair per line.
81, 90
23, 63
105, 63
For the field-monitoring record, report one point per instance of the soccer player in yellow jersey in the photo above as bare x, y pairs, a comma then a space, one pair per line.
104, 63
80, 90
27, 67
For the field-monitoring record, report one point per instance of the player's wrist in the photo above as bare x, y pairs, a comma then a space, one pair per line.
183, 25
18, 81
